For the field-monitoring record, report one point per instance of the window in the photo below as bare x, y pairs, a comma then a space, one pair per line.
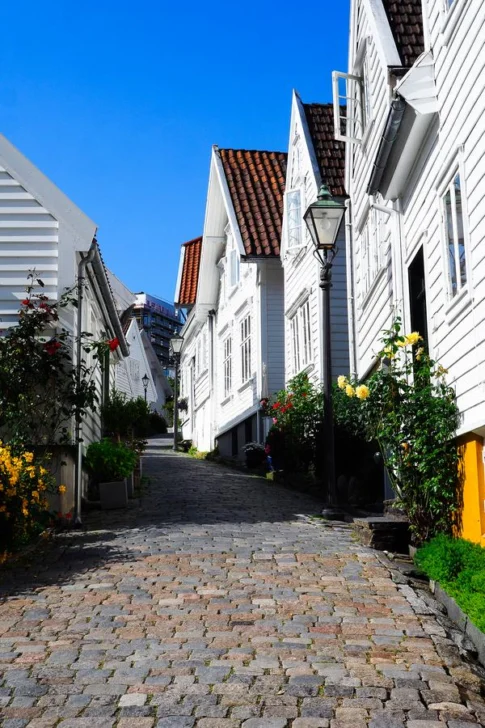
454, 235
373, 237
245, 349
301, 342
352, 100
227, 366
294, 219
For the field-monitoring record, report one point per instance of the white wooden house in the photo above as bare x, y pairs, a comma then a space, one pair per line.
42, 230
415, 165
233, 351
314, 157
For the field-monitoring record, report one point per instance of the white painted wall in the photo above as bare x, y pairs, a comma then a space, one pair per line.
302, 271
130, 370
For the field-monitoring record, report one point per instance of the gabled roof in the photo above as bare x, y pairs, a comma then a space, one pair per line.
329, 152
190, 272
406, 21
256, 182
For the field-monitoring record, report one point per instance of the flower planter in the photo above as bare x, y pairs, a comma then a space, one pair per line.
113, 495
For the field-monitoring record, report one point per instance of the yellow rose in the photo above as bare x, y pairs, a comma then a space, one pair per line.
412, 338
388, 352
362, 392
420, 353
342, 381
62, 489
349, 390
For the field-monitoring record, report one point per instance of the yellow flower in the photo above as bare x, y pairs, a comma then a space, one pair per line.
412, 338
28, 457
35, 495
349, 390
342, 381
362, 392
420, 353
62, 489
3, 509
388, 352
441, 371
25, 511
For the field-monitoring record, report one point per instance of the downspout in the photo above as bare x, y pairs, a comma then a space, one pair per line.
212, 314
349, 235
81, 268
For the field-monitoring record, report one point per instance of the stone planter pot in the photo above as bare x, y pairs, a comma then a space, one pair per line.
113, 495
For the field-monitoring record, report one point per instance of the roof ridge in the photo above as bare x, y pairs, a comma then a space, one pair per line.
258, 151
194, 240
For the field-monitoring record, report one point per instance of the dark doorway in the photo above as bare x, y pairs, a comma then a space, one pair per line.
417, 296
234, 442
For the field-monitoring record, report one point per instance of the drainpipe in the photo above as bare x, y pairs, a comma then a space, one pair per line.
78, 418
349, 247
389, 136
212, 314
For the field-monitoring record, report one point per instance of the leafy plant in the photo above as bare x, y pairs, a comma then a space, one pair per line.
109, 461
39, 388
297, 414
459, 566
410, 411
253, 447
24, 485
125, 419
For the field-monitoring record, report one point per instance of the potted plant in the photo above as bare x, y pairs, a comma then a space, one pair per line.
111, 463
255, 454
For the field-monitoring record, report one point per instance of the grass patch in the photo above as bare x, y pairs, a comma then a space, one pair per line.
459, 566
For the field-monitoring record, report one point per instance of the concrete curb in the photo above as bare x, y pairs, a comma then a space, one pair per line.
458, 616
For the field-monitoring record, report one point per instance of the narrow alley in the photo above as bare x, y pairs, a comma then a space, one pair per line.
217, 603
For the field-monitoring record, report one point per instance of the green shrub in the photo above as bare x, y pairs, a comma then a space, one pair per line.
124, 418
459, 567
157, 424
109, 461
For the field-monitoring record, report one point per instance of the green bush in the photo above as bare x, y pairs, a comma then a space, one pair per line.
157, 424
109, 461
124, 418
459, 567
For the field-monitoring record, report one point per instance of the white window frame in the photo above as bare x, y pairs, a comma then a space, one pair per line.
353, 108
234, 268
301, 337
448, 187
372, 247
245, 332
227, 365
294, 232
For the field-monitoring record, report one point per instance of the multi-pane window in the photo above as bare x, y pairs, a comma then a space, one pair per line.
301, 343
372, 242
246, 349
352, 100
455, 236
227, 366
294, 219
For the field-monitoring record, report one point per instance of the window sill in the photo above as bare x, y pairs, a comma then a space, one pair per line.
201, 374
375, 284
227, 400
308, 369
458, 305
452, 20
297, 254
246, 385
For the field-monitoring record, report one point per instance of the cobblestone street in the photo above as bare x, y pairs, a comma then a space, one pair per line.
218, 603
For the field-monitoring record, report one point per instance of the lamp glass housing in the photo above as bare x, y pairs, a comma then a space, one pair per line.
145, 381
323, 218
176, 344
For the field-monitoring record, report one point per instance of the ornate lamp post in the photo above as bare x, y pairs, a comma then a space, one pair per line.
323, 219
175, 350
145, 381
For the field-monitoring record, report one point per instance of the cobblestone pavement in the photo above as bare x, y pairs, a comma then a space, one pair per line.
217, 604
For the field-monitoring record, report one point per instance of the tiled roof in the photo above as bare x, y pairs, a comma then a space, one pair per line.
406, 21
256, 182
190, 272
329, 152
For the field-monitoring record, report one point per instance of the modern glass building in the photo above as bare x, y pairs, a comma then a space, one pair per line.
160, 320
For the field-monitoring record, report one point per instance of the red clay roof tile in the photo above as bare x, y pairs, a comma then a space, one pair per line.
190, 272
406, 21
330, 153
256, 182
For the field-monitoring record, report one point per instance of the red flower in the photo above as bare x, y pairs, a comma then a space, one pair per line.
52, 346
113, 344
277, 405
68, 516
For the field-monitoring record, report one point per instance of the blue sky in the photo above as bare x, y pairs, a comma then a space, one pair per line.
119, 104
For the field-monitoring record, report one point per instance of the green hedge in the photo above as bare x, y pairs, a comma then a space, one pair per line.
459, 567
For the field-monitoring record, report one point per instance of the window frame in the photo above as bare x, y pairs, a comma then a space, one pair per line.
357, 94
245, 348
455, 169
227, 365
301, 238
372, 249
301, 337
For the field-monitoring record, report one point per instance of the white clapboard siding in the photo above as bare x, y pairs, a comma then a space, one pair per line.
29, 239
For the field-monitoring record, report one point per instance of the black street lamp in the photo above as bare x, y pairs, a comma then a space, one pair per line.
323, 219
145, 381
175, 350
